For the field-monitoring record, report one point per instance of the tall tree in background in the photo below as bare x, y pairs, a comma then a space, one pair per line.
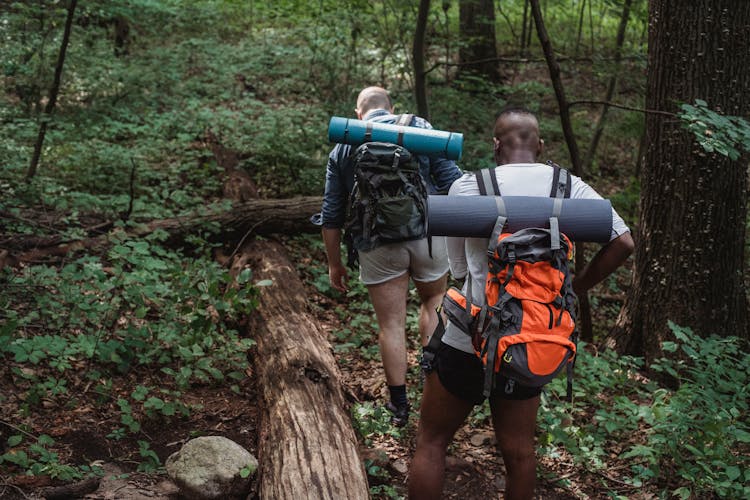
584, 307
420, 77
689, 255
478, 51
611, 87
50, 107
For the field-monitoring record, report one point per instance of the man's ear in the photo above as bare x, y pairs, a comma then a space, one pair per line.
359, 113
496, 144
540, 149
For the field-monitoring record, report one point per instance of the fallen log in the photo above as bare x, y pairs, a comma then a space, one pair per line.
253, 217
307, 446
256, 217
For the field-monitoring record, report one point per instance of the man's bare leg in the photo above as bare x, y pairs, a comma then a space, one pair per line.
440, 416
389, 301
515, 423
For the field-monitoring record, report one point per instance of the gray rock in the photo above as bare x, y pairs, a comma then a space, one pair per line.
212, 467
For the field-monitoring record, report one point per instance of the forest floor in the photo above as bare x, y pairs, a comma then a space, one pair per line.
474, 467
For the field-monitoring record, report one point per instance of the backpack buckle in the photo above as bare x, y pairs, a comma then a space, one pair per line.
426, 361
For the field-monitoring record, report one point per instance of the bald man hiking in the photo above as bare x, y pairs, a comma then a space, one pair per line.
456, 380
386, 269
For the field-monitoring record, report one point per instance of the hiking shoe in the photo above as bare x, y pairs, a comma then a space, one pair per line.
400, 415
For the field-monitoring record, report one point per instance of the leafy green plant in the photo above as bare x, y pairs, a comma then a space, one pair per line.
372, 420
697, 432
700, 428
380, 479
151, 460
715, 132
36, 459
361, 335
247, 470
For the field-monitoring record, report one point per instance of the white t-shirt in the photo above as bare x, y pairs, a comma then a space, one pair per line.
514, 179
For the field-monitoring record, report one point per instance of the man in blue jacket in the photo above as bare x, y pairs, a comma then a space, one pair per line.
386, 270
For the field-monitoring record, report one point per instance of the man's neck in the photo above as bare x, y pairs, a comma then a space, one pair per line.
378, 111
520, 157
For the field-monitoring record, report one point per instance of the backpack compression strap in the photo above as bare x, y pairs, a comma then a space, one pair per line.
561, 183
402, 121
487, 184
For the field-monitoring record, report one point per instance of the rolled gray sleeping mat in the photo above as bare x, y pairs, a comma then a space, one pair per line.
475, 216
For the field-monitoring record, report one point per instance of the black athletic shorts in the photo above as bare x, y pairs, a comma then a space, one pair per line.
462, 374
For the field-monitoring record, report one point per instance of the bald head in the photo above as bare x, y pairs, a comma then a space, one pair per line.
373, 98
516, 137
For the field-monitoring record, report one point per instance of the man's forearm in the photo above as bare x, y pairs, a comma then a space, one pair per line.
332, 242
605, 262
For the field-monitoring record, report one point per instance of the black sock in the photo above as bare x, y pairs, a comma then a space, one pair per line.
398, 395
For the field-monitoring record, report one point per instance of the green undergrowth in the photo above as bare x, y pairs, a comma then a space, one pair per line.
689, 442
76, 334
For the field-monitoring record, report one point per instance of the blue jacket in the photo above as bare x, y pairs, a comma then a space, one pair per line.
438, 173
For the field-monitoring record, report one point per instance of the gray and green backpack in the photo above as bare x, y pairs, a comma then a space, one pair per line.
388, 202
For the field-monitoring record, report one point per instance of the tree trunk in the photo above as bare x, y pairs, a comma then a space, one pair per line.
478, 52
689, 264
50, 107
307, 448
611, 87
122, 36
420, 77
522, 44
584, 308
580, 27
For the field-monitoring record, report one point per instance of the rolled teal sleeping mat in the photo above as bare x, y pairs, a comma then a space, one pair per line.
417, 140
475, 216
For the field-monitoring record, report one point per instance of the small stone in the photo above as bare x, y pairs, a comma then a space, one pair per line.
499, 483
482, 438
212, 467
400, 466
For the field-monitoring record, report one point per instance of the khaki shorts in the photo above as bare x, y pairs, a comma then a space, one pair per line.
393, 260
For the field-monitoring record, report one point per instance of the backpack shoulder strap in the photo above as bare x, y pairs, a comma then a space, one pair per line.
404, 120
487, 182
560, 181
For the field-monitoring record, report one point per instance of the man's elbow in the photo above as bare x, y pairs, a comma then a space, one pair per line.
623, 246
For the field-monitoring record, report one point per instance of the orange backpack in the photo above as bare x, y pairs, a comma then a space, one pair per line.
526, 329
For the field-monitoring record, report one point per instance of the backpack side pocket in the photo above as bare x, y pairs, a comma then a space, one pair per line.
454, 305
